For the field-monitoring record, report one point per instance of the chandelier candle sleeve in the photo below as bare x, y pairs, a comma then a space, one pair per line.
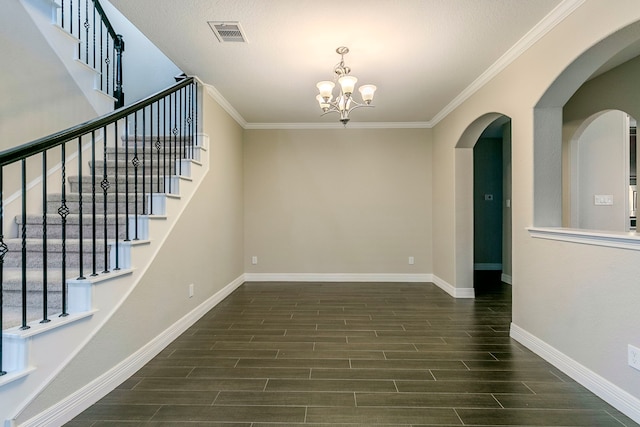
343, 103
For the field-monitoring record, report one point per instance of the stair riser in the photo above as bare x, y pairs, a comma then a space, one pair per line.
150, 167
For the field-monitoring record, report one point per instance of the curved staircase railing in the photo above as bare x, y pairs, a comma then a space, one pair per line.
99, 46
70, 217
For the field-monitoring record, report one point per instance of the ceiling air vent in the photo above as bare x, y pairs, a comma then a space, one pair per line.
228, 32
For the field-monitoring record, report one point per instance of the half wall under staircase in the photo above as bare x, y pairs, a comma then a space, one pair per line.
87, 210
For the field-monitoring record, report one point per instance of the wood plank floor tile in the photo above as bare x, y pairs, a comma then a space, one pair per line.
351, 355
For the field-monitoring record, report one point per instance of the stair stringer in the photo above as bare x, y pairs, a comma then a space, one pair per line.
42, 364
65, 46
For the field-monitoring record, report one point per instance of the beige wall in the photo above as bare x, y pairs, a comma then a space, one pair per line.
211, 227
338, 201
580, 300
39, 97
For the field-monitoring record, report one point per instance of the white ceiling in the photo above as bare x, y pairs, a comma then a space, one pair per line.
425, 56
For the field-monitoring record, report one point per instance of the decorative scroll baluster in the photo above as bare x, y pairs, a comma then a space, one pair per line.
87, 25
3, 251
104, 184
24, 244
126, 180
63, 211
94, 260
45, 267
157, 146
135, 162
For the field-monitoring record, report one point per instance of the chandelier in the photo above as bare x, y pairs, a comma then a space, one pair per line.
344, 103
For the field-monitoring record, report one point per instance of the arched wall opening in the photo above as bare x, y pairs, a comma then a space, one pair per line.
552, 126
464, 200
599, 173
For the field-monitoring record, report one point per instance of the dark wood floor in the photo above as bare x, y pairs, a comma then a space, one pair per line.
356, 354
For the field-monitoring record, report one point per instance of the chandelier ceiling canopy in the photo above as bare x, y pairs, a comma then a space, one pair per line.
344, 103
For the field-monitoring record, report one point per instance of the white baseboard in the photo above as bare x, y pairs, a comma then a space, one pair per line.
361, 277
80, 400
609, 392
486, 266
506, 278
452, 290
336, 277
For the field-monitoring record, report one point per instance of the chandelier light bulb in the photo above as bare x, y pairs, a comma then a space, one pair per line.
367, 92
348, 84
326, 89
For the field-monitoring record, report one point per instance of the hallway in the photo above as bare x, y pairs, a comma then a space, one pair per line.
356, 354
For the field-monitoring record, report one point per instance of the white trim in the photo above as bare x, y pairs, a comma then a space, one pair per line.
338, 125
506, 278
557, 15
486, 266
612, 239
336, 277
452, 290
226, 106
601, 387
81, 399
361, 277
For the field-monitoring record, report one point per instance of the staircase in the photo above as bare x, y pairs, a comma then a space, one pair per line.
89, 235
94, 204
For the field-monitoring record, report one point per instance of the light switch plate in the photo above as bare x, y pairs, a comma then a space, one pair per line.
603, 199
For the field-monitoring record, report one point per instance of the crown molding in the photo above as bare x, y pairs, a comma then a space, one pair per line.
337, 125
549, 22
226, 106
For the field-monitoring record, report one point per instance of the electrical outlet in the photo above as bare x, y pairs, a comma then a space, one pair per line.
634, 357
191, 289
254, 260
411, 260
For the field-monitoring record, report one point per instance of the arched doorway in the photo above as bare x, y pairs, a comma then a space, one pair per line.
476, 207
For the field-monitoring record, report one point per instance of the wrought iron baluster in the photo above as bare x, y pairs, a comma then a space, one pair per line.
63, 211
169, 177
45, 314
80, 212
94, 255
62, 14
94, 36
164, 144
126, 180
102, 60
117, 199
144, 178
3, 251
87, 25
71, 17
174, 132
104, 184
24, 244
156, 145
150, 210
107, 61
135, 162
